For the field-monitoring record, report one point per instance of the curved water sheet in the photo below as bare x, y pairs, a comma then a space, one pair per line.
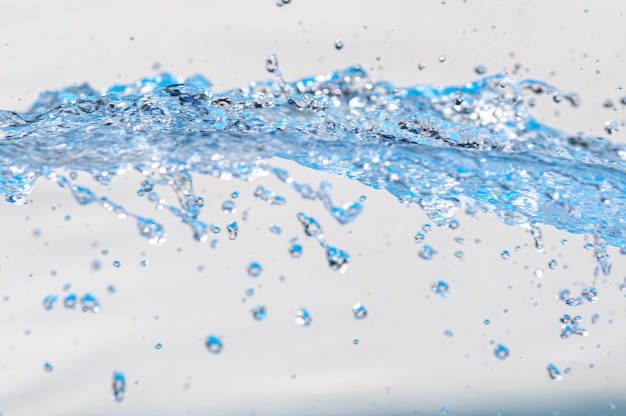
474, 146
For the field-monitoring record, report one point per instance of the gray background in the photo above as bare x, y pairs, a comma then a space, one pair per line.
403, 363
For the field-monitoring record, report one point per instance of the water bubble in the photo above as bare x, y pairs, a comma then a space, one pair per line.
158, 346
590, 294
232, 228
70, 301
505, 254
259, 312
49, 301
47, 367
554, 372
271, 63
441, 288
295, 250
117, 263
228, 207
90, 303
359, 311
119, 386
255, 269
552, 264
501, 352
480, 69
338, 259
427, 252
303, 317
234, 194
421, 66
214, 344
419, 237
338, 44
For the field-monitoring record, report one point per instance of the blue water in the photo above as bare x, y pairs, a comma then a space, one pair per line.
474, 146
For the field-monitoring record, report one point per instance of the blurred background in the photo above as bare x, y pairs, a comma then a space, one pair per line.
415, 352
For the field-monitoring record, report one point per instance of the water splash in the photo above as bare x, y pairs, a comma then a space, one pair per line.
420, 143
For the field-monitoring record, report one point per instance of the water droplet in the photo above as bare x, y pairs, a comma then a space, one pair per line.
47, 367
480, 69
255, 269
338, 260
538, 273
445, 410
453, 224
158, 346
70, 301
611, 127
311, 227
460, 240
359, 311
355, 341
67, 217
275, 229
594, 318
36, 232
441, 288
90, 303
501, 352
362, 198
563, 294
458, 100
143, 263
111, 289
487, 321
49, 301
571, 301
119, 386
552, 264
442, 58
459, 254
228, 207
421, 66
427, 228
427, 252
232, 228
144, 187
554, 372
448, 333
259, 312
96, 264
590, 294
419, 237
234, 195
303, 317
295, 250
117, 263
613, 404
271, 63
214, 344
505, 254
338, 44
564, 241
249, 291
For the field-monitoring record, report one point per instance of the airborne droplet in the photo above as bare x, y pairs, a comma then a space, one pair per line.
119, 386
214, 344
338, 44
359, 311
501, 352
303, 317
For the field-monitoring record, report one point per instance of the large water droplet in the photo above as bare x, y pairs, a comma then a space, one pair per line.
359, 311
255, 269
441, 288
501, 352
214, 344
303, 317
259, 312
338, 259
119, 386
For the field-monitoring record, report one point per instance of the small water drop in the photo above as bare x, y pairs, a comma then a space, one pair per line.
442, 58
158, 346
143, 263
538, 273
49, 301
119, 386
419, 237
554, 372
505, 254
441, 288
338, 44
67, 217
448, 333
255, 269
552, 264
214, 344
427, 252
574, 301
303, 317
338, 260
36, 232
590, 294
594, 318
90, 303
459, 254
47, 367
458, 100
611, 127
501, 352
355, 341
295, 250
486, 321
234, 194
275, 229
228, 207
117, 263
421, 66
613, 404
232, 228
70, 301
359, 311
259, 312
453, 224
480, 69
271, 63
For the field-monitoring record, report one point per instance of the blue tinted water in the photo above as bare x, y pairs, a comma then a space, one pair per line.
474, 146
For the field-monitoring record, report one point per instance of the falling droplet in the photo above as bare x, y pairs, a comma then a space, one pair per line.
117, 263
234, 195
594, 318
505, 254
421, 66
295, 250
359, 311
158, 346
441, 288
143, 263
501, 352
427, 252
613, 404
255, 269
214, 344
355, 341
90, 303
70, 301
303, 317
552, 264
228, 207
49, 301
271, 63
611, 127
458, 100
487, 321
554, 372
338, 260
47, 367
453, 224
419, 237
338, 44
448, 333
232, 228
275, 229
480, 69
442, 58
119, 386
259, 312
590, 294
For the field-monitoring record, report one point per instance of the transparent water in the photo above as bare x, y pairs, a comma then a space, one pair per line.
456, 152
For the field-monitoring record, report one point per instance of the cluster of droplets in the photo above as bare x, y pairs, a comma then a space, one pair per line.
88, 302
570, 325
338, 260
